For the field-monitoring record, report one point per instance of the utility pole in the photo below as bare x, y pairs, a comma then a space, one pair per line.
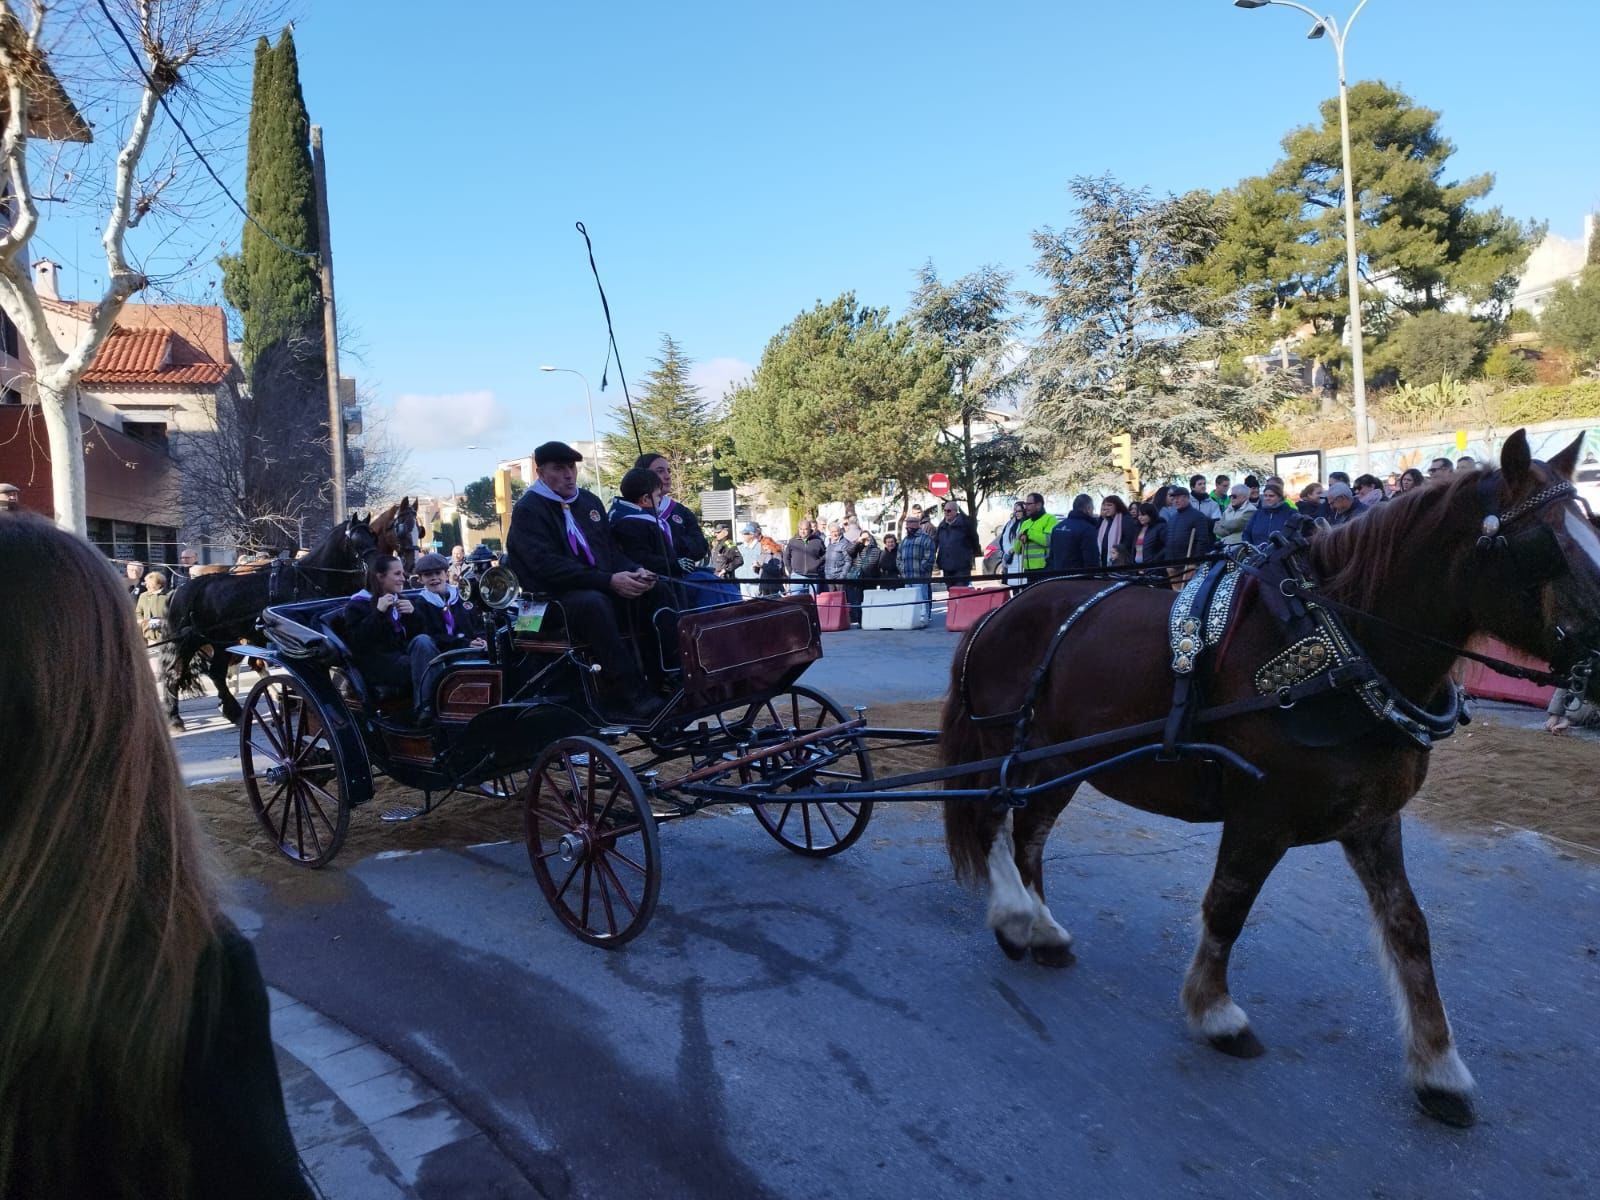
330, 324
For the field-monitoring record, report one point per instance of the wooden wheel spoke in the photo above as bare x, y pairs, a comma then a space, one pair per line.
805, 821
615, 835
633, 909
782, 820
605, 896
615, 853
560, 798
311, 792
562, 890
271, 753
822, 811
588, 877
310, 804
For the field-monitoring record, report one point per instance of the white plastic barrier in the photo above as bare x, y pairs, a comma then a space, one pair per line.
893, 608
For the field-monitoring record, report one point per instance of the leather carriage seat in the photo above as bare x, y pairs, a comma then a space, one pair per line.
382, 698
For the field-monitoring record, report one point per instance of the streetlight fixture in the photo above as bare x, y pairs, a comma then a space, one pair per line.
1329, 27
594, 442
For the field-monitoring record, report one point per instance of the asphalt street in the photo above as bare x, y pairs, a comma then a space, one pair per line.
847, 1028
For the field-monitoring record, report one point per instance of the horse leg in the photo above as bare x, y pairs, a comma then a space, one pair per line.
221, 660
1048, 942
1442, 1083
1243, 863
1011, 906
171, 668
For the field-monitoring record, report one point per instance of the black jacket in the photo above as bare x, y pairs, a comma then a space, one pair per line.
544, 561
956, 545
1188, 533
688, 539
1072, 544
233, 1101
725, 559
864, 561
378, 641
804, 555
1155, 542
641, 539
465, 617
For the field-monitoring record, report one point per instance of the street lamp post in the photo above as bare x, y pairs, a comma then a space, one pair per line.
588, 396
1330, 27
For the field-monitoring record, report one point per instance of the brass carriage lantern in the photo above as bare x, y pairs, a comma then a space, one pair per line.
10, 497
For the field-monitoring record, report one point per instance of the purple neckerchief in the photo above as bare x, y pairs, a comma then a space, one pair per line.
578, 544
444, 602
644, 514
394, 609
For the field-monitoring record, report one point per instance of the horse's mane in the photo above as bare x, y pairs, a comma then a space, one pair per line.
1357, 562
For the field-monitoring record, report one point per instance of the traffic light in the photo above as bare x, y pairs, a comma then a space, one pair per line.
502, 491
1122, 451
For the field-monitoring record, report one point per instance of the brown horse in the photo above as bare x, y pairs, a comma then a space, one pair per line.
399, 532
1414, 564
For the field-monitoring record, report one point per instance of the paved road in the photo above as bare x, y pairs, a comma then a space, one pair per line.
847, 1028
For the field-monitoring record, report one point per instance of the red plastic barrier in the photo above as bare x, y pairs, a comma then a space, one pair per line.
1488, 684
832, 613
967, 605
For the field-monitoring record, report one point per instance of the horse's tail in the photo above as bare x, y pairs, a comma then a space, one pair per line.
961, 740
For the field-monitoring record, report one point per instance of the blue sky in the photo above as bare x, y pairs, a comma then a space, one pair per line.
735, 162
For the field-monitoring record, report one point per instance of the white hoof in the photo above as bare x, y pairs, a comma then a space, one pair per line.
1226, 1019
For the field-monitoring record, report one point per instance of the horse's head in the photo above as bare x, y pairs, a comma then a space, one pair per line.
1536, 581
359, 542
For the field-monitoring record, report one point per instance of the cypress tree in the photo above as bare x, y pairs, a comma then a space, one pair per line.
276, 292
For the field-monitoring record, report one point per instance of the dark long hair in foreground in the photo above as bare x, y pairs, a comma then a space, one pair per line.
105, 904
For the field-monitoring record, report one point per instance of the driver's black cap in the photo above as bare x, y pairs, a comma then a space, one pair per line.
555, 452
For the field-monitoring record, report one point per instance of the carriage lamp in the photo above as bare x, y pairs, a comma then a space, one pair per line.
10, 497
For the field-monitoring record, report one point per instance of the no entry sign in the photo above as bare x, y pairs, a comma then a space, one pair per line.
939, 484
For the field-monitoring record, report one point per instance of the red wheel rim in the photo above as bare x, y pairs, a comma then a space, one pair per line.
592, 841
821, 828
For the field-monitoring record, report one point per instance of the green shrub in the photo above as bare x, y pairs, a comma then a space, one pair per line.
1530, 406
1409, 402
1434, 345
1521, 321
1505, 365
1274, 439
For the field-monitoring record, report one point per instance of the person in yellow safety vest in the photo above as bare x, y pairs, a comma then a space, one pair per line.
1033, 535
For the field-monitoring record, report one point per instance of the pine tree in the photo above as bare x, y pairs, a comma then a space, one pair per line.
673, 418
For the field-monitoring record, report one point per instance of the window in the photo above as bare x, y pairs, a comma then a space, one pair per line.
163, 541
152, 433
100, 535
9, 341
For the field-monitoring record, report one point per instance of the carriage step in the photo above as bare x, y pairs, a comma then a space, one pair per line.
400, 812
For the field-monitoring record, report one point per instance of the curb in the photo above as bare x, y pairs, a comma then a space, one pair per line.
368, 1128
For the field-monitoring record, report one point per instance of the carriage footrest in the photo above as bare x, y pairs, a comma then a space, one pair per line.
400, 812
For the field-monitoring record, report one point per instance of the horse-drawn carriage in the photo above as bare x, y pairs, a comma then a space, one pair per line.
1249, 698
519, 720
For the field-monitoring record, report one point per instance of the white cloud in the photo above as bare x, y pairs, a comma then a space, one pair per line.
445, 422
715, 376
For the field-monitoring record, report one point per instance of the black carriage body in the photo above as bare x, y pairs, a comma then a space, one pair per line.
477, 735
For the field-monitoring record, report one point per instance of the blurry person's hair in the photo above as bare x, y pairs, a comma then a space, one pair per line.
106, 903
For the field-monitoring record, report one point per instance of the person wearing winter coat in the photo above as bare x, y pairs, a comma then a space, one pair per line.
1231, 524
956, 546
1011, 561
725, 556
835, 558
1200, 499
1072, 540
1343, 507
1113, 536
1272, 517
1149, 542
1188, 535
865, 559
803, 558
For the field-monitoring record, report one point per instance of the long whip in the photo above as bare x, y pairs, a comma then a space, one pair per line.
612, 353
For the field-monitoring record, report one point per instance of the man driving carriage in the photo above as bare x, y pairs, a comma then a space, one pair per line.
560, 544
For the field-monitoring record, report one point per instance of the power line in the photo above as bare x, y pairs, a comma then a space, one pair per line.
161, 99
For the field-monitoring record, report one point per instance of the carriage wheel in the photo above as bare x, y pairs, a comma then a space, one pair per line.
819, 828
292, 771
592, 841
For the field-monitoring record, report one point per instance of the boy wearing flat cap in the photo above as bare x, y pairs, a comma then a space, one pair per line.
445, 614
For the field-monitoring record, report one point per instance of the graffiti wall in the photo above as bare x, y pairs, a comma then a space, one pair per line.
1390, 458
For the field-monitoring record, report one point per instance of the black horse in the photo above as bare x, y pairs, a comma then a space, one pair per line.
222, 610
